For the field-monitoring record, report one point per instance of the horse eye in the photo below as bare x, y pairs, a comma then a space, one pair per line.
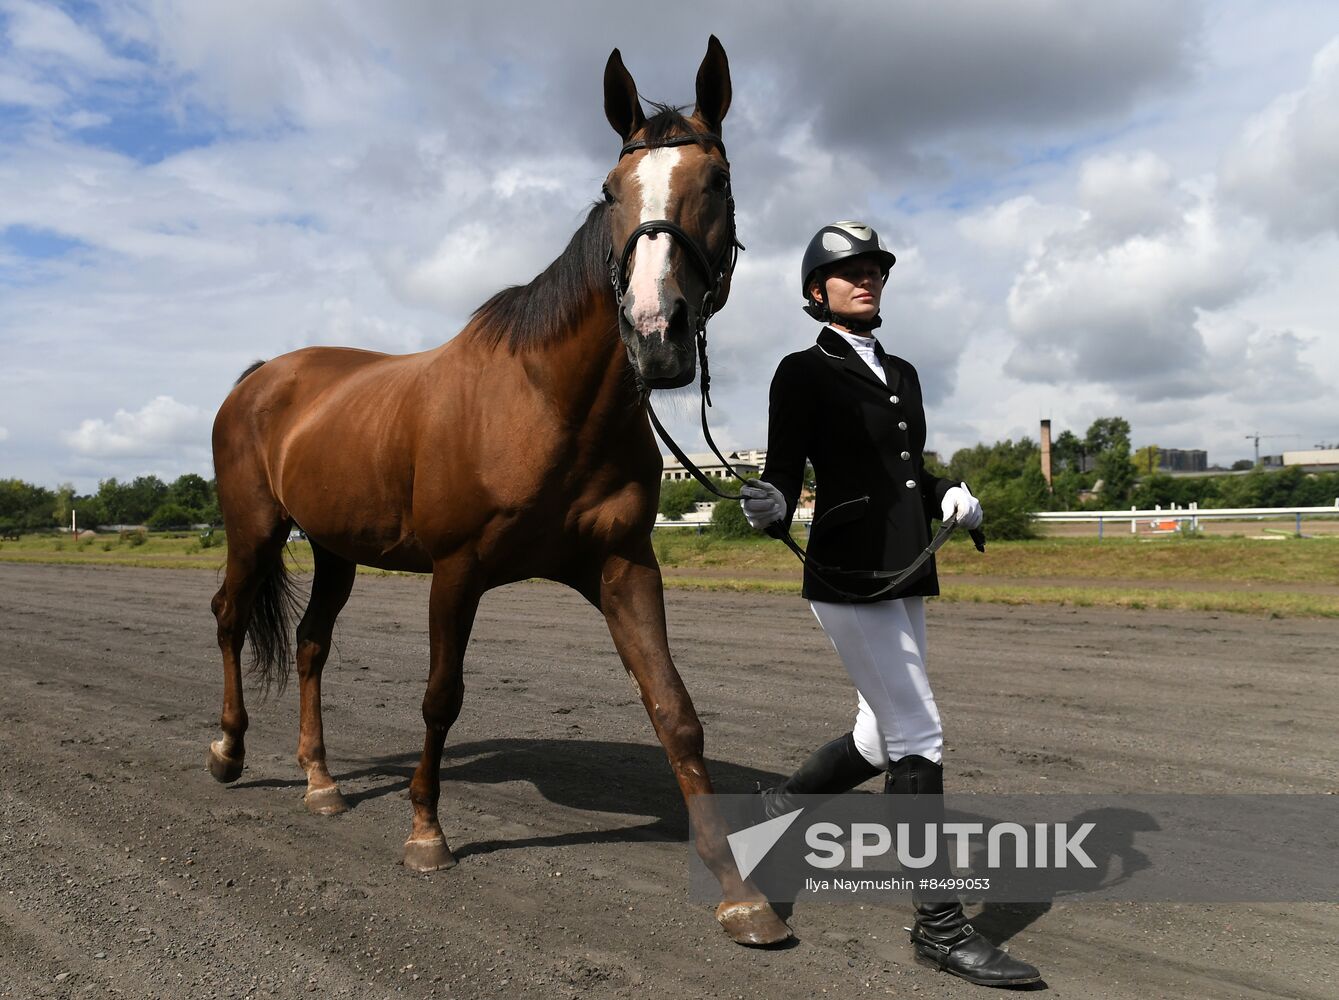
608, 195
720, 182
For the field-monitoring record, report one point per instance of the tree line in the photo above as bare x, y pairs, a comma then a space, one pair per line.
1096, 471
187, 500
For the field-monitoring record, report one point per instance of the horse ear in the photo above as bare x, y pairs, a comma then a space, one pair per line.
713, 84
621, 105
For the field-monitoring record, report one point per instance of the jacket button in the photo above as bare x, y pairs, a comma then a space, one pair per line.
906, 455
901, 425
911, 484
893, 399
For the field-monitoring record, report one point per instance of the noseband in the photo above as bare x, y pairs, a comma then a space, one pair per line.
714, 272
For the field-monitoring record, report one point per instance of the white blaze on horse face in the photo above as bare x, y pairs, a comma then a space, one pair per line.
646, 284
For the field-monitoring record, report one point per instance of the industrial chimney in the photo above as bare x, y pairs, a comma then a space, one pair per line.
1046, 452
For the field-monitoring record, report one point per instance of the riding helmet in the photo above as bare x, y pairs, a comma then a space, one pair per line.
837, 242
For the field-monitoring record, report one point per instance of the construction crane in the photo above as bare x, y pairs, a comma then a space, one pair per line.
1256, 438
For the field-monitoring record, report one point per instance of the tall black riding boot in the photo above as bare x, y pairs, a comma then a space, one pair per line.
833, 768
941, 935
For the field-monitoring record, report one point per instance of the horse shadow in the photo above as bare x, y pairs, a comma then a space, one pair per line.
601, 776
598, 776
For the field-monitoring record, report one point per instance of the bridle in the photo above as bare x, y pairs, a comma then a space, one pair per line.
716, 272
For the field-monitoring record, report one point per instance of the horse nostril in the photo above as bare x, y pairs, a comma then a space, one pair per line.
678, 316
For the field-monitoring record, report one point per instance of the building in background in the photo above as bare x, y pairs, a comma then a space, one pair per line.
1314, 460
1182, 460
746, 463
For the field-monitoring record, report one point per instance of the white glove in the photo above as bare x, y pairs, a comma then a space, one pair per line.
959, 500
762, 502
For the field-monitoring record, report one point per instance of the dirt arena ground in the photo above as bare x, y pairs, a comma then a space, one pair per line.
125, 870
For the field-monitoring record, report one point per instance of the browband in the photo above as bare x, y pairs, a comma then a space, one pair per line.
710, 138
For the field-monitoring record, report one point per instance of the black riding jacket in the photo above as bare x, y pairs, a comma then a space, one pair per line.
865, 439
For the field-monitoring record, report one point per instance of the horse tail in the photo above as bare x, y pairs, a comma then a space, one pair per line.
269, 628
249, 369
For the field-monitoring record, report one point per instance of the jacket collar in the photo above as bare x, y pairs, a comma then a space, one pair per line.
840, 353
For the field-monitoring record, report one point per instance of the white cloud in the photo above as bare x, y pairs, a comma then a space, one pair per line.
85, 119
1045, 176
25, 92
1116, 300
1129, 194
4, 434
1285, 164
1021, 223
40, 31
161, 425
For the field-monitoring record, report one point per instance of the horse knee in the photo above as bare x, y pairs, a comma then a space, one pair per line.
441, 705
683, 737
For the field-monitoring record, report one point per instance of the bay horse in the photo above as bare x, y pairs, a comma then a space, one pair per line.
520, 448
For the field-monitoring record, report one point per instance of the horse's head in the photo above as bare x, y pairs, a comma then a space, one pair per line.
671, 219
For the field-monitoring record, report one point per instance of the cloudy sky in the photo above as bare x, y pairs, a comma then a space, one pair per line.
1097, 208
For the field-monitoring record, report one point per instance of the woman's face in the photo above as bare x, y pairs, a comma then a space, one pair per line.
854, 288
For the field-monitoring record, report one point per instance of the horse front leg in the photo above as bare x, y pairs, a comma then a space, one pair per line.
632, 598
451, 608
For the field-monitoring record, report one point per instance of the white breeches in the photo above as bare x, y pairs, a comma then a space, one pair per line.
883, 648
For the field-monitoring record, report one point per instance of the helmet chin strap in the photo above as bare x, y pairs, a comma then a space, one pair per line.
822, 312
860, 325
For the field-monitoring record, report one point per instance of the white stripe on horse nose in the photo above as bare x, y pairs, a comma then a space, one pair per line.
646, 284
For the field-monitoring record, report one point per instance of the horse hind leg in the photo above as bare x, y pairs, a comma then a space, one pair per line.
331, 587
255, 575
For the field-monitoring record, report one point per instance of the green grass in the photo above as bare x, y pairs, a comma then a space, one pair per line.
1168, 559
1173, 572
1275, 605
159, 550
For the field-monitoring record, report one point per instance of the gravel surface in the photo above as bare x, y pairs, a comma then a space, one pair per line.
125, 870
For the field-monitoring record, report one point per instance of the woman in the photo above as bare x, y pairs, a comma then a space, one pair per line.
856, 414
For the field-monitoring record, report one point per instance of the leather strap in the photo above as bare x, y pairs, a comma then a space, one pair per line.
700, 138
777, 531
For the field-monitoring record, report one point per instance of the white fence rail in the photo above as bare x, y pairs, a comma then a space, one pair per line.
702, 518
1159, 519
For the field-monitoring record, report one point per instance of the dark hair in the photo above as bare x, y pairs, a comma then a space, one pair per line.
535, 313
250, 368
666, 122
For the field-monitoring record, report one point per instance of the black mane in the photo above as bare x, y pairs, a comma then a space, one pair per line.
533, 314
666, 122
554, 301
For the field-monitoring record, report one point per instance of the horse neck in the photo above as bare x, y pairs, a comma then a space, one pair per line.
586, 373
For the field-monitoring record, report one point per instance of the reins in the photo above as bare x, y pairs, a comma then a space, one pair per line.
822, 571
716, 275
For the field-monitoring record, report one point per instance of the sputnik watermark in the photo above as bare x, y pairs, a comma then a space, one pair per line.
1181, 848
1045, 845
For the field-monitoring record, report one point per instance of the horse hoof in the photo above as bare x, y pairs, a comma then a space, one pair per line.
325, 801
754, 924
221, 766
428, 855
